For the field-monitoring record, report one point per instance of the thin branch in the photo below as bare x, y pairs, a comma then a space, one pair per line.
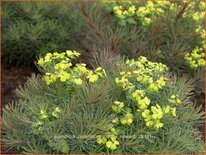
181, 12
90, 21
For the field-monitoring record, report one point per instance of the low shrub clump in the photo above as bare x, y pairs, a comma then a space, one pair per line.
130, 106
163, 31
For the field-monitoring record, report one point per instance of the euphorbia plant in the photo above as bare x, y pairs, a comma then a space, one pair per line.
73, 109
163, 31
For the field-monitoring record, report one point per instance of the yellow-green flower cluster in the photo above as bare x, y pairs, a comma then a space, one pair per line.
56, 112
43, 117
198, 19
57, 57
109, 139
117, 107
148, 74
195, 59
125, 117
125, 15
144, 14
198, 16
139, 97
153, 116
93, 76
174, 99
120, 12
58, 66
143, 78
124, 80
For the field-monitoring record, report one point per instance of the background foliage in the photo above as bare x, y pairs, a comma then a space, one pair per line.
32, 29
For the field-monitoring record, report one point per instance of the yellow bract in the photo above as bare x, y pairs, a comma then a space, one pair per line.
195, 59
43, 114
42, 117
174, 99
127, 119
56, 112
101, 139
92, 77
63, 76
174, 111
143, 14
112, 144
157, 112
117, 107
109, 139
78, 81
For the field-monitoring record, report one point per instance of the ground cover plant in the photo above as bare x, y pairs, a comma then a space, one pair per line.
131, 88
129, 106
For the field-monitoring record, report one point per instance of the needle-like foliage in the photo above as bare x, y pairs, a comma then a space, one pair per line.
32, 29
136, 106
167, 32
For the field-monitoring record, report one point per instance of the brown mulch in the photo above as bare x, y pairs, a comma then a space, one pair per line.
11, 78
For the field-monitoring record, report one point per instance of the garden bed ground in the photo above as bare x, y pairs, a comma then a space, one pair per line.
12, 77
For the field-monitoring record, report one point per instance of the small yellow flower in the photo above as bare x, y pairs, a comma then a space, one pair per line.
173, 110
92, 77
112, 144
78, 81
101, 139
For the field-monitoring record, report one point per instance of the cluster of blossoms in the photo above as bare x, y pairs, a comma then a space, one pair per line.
43, 116
199, 15
58, 66
109, 139
123, 116
143, 14
152, 116
149, 78
195, 59
141, 82
125, 15
198, 18
174, 99
150, 75
146, 13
